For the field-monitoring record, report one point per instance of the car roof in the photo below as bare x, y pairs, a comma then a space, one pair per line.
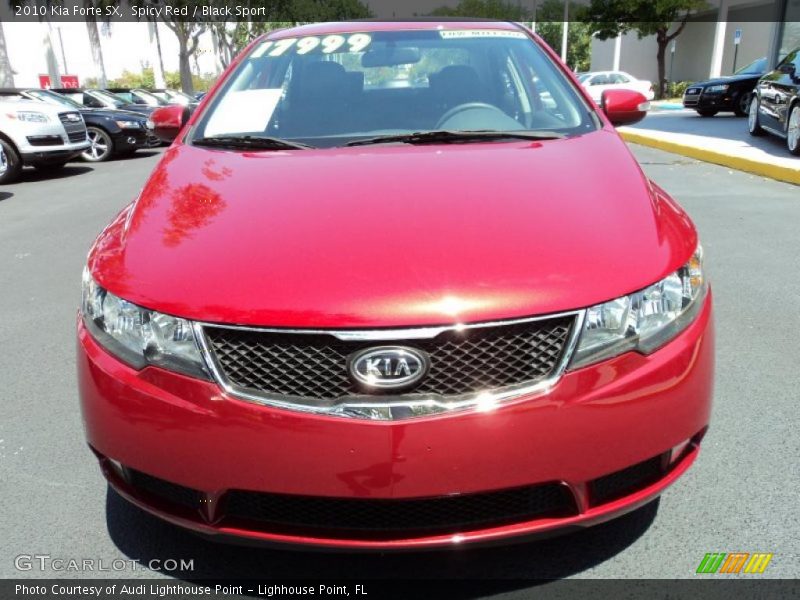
371, 26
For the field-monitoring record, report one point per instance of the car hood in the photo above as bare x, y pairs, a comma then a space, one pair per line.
727, 80
392, 235
114, 114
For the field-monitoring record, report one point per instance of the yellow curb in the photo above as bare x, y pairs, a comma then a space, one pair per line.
779, 172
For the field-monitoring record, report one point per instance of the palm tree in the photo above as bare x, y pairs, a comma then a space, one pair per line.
6, 72
97, 49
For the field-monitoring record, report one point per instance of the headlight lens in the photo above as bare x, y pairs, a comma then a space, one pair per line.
645, 320
717, 89
32, 117
139, 336
128, 124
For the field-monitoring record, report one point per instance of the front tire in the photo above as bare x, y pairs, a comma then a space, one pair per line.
101, 146
793, 131
10, 163
741, 107
706, 112
753, 124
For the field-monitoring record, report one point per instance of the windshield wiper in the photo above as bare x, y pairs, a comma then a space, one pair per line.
250, 142
443, 136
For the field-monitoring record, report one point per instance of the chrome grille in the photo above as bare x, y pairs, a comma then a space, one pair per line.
74, 126
313, 366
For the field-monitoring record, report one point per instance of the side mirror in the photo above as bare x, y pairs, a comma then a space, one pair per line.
624, 107
169, 120
788, 69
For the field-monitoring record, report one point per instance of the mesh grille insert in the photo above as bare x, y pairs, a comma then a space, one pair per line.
165, 490
390, 518
315, 365
626, 481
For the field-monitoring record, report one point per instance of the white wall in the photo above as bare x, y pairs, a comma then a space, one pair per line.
637, 57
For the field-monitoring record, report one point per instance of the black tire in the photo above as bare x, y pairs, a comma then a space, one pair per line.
753, 124
101, 146
741, 105
793, 130
50, 166
11, 168
705, 112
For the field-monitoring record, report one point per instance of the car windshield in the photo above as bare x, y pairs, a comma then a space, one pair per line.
328, 90
757, 67
109, 97
584, 76
149, 98
179, 96
55, 98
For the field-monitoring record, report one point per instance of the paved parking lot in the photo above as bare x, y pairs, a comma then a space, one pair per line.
740, 496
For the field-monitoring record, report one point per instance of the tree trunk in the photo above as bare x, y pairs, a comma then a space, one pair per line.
6, 72
158, 61
662, 51
53, 70
97, 51
185, 69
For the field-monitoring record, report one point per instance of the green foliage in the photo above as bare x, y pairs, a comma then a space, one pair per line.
145, 79
485, 9
676, 89
609, 18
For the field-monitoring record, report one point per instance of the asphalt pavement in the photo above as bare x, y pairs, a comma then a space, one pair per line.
741, 495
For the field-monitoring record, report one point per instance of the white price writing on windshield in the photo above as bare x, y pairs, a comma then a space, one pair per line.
357, 42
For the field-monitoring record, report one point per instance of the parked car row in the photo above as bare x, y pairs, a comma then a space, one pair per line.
769, 99
48, 128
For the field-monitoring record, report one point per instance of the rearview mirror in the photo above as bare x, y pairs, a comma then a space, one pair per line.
624, 107
169, 120
787, 68
390, 56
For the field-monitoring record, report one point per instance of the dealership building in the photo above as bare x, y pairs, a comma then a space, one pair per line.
725, 37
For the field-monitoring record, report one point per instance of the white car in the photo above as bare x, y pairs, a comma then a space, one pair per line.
40, 135
598, 82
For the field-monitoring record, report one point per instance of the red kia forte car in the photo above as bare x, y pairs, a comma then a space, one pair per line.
396, 285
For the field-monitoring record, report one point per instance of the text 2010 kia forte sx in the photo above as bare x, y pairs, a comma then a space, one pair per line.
396, 285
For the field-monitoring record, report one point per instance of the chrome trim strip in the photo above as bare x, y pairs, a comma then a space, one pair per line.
388, 408
408, 333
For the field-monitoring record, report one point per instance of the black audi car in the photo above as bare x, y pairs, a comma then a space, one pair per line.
725, 94
111, 132
92, 98
776, 103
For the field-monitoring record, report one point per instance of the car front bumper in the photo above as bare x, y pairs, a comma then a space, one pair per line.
704, 101
132, 139
52, 154
612, 436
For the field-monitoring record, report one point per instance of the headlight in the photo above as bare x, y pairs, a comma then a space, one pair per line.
128, 124
138, 336
717, 89
645, 320
32, 117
